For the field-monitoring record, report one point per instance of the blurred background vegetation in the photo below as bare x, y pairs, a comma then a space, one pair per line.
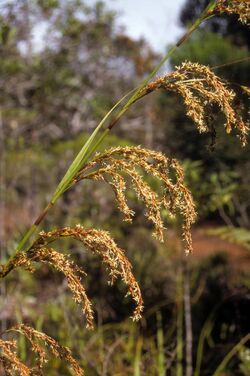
53, 93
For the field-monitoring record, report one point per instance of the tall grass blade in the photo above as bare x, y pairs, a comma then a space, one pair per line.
138, 353
160, 346
230, 355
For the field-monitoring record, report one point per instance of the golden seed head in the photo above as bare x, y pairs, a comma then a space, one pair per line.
72, 273
239, 7
201, 90
40, 342
10, 361
135, 162
99, 242
62, 263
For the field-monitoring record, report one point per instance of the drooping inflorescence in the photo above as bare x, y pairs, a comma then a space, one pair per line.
100, 243
40, 344
61, 263
97, 241
239, 7
112, 165
10, 361
202, 92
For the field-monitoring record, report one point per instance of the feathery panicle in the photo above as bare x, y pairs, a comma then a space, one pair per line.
110, 167
239, 7
61, 352
11, 364
100, 243
63, 264
97, 241
201, 89
71, 271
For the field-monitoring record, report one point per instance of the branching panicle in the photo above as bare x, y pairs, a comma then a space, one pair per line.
201, 90
99, 242
40, 342
62, 263
71, 271
10, 361
110, 167
239, 7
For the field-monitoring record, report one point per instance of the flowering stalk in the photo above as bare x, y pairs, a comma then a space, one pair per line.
95, 139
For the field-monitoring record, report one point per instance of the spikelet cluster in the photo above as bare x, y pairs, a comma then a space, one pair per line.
202, 91
239, 7
98, 242
10, 361
133, 161
40, 342
63, 264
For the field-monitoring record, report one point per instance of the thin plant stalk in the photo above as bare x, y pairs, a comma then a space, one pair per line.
179, 322
95, 138
130, 345
3, 165
230, 355
205, 335
205, 332
188, 318
138, 353
160, 346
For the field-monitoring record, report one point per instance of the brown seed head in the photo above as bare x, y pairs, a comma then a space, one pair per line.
12, 365
201, 90
239, 7
97, 241
62, 263
40, 343
71, 271
100, 243
175, 197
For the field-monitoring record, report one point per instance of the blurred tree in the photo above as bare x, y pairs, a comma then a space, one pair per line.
59, 61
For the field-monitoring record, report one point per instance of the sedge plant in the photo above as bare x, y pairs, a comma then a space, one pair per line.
202, 92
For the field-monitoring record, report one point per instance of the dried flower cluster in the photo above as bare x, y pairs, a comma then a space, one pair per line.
239, 7
61, 263
175, 198
201, 91
97, 241
100, 243
9, 360
12, 365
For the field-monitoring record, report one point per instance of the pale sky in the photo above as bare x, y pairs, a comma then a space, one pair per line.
155, 20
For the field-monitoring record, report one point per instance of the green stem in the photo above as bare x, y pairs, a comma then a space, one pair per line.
82, 156
160, 346
179, 322
26, 237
